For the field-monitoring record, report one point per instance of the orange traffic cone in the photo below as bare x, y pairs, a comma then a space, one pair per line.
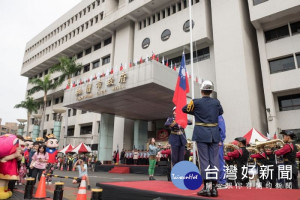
82, 190
41, 190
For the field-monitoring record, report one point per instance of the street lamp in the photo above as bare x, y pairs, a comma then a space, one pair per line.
36, 127
21, 126
57, 122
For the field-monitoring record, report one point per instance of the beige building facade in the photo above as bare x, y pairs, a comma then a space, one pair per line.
277, 25
106, 35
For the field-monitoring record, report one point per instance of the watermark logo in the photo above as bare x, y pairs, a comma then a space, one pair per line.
185, 175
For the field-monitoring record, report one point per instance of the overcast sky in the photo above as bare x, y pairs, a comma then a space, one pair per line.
20, 21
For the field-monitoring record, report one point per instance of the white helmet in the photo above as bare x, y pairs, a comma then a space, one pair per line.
207, 85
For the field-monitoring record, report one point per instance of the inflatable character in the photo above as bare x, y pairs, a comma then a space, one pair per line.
10, 152
52, 144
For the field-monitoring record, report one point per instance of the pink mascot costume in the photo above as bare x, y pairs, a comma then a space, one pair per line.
52, 144
9, 153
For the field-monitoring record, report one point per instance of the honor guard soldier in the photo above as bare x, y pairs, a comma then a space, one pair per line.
206, 133
288, 151
241, 158
177, 138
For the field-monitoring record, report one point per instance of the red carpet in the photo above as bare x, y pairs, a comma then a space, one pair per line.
232, 194
120, 170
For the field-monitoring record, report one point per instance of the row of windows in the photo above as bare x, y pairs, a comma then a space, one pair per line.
71, 112
165, 13
284, 64
67, 37
289, 102
84, 53
198, 55
85, 129
166, 34
66, 24
282, 31
55, 101
94, 65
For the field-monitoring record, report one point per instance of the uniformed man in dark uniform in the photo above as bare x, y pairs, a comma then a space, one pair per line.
177, 138
241, 158
288, 151
206, 133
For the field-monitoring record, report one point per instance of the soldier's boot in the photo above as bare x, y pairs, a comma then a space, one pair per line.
205, 190
214, 191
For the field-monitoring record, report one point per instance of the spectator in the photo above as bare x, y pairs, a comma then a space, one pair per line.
39, 162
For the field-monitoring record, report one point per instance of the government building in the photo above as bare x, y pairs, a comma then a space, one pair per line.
131, 52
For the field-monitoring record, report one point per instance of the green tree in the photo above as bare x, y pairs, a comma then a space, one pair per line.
45, 85
31, 106
68, 67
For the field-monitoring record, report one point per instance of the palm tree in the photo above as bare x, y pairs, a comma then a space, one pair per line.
44, 85
67, 67
31, 106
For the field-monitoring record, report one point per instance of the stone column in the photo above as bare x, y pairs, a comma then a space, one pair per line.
106, 137
140, 134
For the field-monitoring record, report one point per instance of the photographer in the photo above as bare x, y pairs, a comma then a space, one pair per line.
82, 170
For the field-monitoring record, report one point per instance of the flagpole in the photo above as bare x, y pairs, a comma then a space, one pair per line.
192, 70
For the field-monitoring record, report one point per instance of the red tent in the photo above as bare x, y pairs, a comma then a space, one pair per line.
67, 149
81, 148
252, 136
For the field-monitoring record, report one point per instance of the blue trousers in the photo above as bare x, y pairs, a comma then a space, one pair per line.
209, 156
222, 179
177, 154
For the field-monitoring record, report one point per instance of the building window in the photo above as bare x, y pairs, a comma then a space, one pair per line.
158, 16
202, 54
298, 60
106, 60
49, 103
69, 112
256, 2
47, 118
62, 99
146, 43
46, 72
32, 121
186, 25
107, 41
289, 102
83, 111
88, 51
165, 35
174, 9
54, 116
131, 1
77, 73
295, 27
86, 68
86, 129
282, 64
96, 64
277, 33
184, 4
74, 112
79, 55
57, 101
70, 131
97, 46
179, 6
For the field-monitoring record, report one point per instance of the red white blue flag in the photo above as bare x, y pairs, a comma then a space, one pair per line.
179, 98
